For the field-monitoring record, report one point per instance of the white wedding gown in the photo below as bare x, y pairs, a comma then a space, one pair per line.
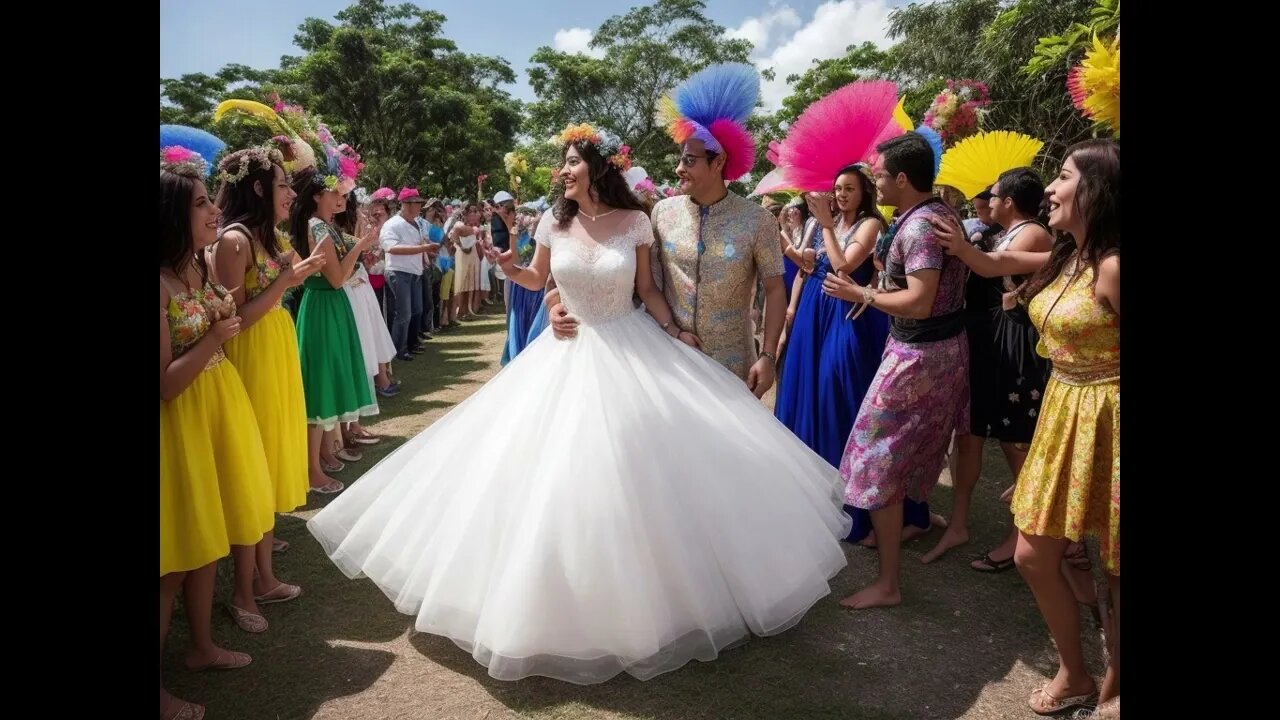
617, 502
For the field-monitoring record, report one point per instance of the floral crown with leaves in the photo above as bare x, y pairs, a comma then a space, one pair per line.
237, 166
606, 143
176, 157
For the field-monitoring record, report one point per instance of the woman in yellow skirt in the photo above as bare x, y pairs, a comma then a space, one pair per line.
1069, 486
214, 485
250, 256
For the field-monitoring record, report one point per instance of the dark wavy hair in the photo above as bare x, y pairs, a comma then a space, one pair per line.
346, 220
867, 205
1098, 200
606, 179
304, 206
177, 246
241, 204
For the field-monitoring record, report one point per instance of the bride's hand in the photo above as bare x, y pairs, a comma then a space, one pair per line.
563, 325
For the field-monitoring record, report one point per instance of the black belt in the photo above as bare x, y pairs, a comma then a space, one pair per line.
928, 330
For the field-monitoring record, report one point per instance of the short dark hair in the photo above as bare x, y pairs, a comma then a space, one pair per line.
909, 153
1024, 187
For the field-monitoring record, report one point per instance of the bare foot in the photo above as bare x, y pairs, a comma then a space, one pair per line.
953, 537
878, 594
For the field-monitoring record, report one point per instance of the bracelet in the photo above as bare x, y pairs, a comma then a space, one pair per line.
772, 358
868, 296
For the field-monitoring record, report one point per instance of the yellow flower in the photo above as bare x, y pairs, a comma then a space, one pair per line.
1095, 84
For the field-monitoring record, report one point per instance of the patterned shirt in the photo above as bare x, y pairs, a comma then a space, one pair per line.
707, 261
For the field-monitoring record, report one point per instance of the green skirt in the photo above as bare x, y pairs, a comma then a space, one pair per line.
333, 373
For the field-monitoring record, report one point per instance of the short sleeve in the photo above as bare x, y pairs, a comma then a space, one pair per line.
766, 250
319, 231
920, 248
655, 221
543, 233
642, 230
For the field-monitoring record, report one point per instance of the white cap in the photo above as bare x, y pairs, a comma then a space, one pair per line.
502, 196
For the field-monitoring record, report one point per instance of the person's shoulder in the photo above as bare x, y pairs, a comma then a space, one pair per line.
747, 207
666, 205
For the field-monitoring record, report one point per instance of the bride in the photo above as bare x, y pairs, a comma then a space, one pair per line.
636, 508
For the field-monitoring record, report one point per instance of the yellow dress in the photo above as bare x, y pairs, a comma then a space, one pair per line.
1070, 484
266, 356
214, 487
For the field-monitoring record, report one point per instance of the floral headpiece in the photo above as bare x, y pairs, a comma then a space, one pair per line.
956, 112
606, 143
303, 142
237, 166
713, 106
1094, 84
205, 144
175, 157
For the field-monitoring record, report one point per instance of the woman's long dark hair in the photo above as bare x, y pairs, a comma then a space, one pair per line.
606, 180
346, 220
241, 204
1098, 200
177, 246
867, 205
304, 206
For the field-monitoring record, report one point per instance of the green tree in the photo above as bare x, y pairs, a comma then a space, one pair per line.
991, 41
860, 62
647, 51
406, 97
387, 82
1053, 52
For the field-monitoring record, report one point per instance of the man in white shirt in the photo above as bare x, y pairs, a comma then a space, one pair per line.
402, 241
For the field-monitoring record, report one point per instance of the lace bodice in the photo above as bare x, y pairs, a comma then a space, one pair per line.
595, 268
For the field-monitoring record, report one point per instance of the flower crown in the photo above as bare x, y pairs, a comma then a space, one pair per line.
176, 156
606, 143
338, 173
864, 169
245, 161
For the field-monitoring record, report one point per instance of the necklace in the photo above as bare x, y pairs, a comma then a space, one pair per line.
593, 218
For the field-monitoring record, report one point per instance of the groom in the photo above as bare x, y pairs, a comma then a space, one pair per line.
712, 245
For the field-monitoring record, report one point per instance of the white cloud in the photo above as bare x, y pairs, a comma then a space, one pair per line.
836, 24
763, 30
576, 40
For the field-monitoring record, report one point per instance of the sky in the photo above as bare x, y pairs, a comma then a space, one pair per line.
201, 36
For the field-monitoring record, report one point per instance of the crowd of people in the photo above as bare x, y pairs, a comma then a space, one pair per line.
660, 512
